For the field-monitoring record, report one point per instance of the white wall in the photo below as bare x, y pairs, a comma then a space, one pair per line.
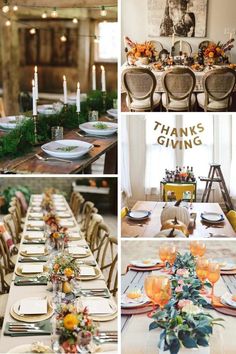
221, 15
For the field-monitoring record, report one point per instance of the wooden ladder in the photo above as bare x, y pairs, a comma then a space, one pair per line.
216, 176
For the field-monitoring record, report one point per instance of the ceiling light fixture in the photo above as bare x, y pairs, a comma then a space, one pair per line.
103, 11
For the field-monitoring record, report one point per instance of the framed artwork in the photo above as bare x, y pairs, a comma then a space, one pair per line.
185, 18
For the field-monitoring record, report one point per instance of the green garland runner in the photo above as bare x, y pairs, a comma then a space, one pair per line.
21, 139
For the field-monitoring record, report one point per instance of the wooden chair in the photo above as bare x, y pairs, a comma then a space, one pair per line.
178, 84
140, 85
107, 258
218, 89
186, 48
178, 190
157, 45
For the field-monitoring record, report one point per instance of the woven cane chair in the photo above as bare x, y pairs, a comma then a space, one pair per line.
140, 85
107, 258
186, 48
178, 84
218, 89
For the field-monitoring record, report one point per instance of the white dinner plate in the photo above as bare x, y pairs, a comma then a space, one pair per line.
91, 128
142, 263
113, 112
11, 122
138, 214
212, 217
58, 148
130, 303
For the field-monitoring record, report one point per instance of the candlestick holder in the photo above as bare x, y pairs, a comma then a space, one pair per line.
35, 119
104, 99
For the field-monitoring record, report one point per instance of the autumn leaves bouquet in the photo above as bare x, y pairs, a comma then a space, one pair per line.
76, 328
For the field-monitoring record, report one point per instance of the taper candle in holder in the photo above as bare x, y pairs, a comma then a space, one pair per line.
35, 115
104, 93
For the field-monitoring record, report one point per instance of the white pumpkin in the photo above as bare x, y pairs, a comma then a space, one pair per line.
175, 211
170, 233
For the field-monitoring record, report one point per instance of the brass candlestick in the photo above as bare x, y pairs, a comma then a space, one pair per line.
35, 119
104, 97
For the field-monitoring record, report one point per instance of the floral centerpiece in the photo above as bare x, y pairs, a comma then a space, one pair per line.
64, 268
75, 328
143, 52
216, 53
183, 320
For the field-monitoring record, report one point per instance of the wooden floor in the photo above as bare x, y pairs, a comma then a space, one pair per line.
124, 107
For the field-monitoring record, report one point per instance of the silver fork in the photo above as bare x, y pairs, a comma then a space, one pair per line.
51, 159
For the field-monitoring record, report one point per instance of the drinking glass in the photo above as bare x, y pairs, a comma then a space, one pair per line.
197, 248
213, 275
201, 270
158, 289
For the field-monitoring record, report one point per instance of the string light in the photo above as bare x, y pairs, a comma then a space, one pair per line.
15, 8
54, 13
44, 15
103, 11
75, 20
8, 23
32, 31
63, 38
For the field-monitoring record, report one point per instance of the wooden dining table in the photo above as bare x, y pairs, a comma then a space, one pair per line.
20, 292
30, 164
136, 337
151, 226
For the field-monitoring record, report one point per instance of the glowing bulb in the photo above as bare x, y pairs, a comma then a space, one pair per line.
54, 13
44, 15
103, 11
63, 38
15, 8
8, 23
75, 20
5, 9
32, 31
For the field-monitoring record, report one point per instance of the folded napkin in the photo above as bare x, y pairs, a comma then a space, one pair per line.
77, 250
45, 329
32, 268
98, 306
21, 281
33, 306
87, 271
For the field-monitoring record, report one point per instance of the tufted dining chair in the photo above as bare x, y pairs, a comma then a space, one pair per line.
178, 84
218, 87
186, 48
140, 85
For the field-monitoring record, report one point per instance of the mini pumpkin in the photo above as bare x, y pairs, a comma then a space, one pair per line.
175, 211
175, 224
168, 233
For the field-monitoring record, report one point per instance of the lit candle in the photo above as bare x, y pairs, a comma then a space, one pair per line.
36, 82
94, 78
78, 98
181, 45
34, 99
65, 89
103, 79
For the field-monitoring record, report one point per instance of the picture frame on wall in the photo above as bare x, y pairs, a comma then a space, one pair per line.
184, 18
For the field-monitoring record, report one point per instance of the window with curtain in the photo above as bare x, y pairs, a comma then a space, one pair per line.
160, 157
107, 44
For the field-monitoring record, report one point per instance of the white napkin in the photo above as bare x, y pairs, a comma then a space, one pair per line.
34, 250
77, 250
32, 268
33, 306
85, 271
98, 306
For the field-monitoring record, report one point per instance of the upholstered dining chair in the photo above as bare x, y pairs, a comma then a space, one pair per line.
140, 85
186, 48
218, 87
178, 84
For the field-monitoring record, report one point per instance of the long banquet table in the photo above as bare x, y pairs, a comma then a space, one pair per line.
137, 339
20, 292
151, 226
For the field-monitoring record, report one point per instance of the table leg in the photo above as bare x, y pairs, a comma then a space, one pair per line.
110, 166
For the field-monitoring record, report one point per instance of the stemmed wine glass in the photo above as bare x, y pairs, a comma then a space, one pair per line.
213, 275
158, 289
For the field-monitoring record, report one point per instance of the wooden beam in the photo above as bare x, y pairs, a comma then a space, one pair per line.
63, 3
10, 67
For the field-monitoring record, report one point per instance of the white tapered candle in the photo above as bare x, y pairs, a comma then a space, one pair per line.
78, 98
65, 90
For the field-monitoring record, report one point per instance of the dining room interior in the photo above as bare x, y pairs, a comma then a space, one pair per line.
171, 53
185, 164
58, 81
59, 249
168, 290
